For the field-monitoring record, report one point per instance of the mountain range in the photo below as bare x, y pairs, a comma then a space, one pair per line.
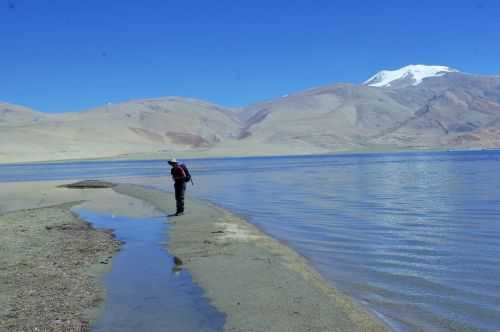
414, 107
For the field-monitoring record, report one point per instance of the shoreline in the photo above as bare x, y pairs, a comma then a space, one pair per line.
51, 268
200, 155
258, 282
53, 263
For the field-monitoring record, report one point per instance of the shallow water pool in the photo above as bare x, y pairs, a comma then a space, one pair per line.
144, 291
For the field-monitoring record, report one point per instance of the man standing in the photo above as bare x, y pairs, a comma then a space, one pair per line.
180, 175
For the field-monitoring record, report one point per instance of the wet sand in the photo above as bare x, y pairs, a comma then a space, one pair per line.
260, 284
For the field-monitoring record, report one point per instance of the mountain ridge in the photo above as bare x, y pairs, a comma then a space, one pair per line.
448, 111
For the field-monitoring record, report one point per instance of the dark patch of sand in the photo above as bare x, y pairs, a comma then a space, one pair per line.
89, 184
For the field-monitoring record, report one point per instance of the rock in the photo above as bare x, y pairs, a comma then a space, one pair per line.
177, 261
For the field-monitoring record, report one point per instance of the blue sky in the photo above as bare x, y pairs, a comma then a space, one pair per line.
71, 55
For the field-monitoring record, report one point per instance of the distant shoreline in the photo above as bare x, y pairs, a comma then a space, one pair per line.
207, 156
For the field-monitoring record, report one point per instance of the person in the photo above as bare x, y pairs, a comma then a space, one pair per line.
180, 175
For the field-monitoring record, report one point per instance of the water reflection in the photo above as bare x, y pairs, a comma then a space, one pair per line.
146, 291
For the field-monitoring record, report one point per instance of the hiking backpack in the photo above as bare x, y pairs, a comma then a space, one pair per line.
187, 178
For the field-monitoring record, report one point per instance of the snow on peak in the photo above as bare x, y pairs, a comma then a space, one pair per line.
415, 73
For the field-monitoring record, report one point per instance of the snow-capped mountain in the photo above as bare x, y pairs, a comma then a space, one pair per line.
416, 107
409, 75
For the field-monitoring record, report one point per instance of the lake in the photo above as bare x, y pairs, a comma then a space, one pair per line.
414, 237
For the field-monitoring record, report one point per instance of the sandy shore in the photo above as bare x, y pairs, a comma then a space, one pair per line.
51, 276
50, 270
260, 284
52, 263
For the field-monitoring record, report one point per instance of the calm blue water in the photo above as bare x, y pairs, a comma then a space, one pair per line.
143, 292
413, 236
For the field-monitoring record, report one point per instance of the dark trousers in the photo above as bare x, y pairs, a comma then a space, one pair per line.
180, 189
